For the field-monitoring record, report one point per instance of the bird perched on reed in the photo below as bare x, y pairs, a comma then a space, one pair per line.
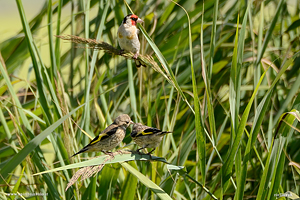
128, 36
147, 137
110, 137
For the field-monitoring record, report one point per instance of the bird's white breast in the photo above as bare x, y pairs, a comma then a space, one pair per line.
128, 38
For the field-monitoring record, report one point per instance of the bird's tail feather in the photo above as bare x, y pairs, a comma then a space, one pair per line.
84, 149
165, 132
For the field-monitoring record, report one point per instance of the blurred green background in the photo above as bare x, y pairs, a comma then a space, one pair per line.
227, 86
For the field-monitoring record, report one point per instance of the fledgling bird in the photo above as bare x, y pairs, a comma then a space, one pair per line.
147, 137
128, 36
110, 137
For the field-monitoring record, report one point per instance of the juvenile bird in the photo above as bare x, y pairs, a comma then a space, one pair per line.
110, 137
147, 137
128, 36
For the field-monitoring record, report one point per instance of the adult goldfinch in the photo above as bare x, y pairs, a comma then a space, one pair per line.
128, 35
110, 137
147, 137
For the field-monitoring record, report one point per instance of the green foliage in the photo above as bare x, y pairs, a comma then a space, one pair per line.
229, 92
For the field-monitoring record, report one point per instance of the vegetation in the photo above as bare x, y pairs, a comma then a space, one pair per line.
223, 76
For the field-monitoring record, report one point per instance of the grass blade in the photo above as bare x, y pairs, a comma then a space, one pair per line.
19, 157
146, 181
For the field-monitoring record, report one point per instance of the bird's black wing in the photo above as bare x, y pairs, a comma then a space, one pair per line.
103, 136
151, 131
98, 138
147, 131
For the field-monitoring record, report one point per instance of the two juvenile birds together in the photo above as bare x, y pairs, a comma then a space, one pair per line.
113, 135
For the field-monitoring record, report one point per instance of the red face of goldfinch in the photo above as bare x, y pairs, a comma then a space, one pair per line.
133, 19
128, 34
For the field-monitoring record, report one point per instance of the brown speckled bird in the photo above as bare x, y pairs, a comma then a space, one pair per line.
110, 137
128, 36
147, 137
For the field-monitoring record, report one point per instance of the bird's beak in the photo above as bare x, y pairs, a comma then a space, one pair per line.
131, 122
139, 20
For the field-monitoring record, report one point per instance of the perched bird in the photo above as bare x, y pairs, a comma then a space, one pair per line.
128, 36
110, 137
147, 137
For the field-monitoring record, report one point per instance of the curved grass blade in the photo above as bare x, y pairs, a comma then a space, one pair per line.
130, 184
117, 158
147, 182
32, 144
200, 133
184, 174
170, 76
